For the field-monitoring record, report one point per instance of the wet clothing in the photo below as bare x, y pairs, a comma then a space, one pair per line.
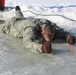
29, 29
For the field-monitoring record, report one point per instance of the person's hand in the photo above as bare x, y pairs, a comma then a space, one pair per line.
71, 40
46, 47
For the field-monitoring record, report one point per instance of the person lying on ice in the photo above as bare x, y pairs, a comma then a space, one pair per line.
37, 33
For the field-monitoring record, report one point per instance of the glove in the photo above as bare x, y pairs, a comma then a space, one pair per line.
46, 47
71, 40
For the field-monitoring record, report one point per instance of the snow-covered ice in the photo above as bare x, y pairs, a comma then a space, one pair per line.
15, 60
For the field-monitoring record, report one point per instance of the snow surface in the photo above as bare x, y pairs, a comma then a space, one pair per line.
46, 2
55, 13
15, 60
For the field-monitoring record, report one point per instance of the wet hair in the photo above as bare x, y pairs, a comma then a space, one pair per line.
17, 8
49, 31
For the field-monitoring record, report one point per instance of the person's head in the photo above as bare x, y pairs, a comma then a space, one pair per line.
71, 39
48, 32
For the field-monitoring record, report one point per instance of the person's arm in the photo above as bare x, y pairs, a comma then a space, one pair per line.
7, 26
19, 14
29, 43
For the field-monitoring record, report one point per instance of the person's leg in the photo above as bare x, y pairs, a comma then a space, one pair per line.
18, 12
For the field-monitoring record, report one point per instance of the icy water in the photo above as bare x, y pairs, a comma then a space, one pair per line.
15, 60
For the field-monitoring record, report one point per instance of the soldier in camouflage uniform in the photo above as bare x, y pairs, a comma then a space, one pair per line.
33, 31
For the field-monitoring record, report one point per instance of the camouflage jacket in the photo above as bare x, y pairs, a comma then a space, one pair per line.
28, 29
25, 28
